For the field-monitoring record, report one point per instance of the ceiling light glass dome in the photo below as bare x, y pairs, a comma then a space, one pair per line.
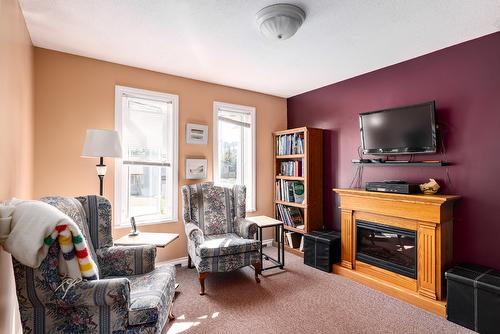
280, 21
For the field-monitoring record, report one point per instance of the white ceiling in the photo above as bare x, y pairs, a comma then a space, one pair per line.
218, 40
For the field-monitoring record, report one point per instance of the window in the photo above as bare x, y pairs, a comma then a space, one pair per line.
234, 148
146, 177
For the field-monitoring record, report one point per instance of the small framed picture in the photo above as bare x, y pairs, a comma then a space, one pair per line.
196, 169
196, 134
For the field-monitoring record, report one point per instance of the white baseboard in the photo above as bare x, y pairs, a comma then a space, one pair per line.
183, 261
267, 242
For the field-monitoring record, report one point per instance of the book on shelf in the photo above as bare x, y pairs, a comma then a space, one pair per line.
301, 247
294, 239
289, 187
290, 144
298, 192
290, 216
295, 216
290, 191
292, 168
289, 239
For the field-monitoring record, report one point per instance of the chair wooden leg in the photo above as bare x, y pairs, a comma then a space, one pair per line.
190, 265
171, 315
257, 266
201, 278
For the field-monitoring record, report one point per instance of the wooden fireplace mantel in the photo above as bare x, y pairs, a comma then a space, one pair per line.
430, 216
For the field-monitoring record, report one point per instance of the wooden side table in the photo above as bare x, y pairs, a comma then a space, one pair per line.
147, 238
144, 238
279, 236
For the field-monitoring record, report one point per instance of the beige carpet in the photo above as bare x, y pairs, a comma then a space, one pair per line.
298, 300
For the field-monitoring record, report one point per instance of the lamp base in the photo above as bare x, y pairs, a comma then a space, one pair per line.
101, 171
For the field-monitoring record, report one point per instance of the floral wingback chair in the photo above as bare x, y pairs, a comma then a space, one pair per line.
220, 239
131, 296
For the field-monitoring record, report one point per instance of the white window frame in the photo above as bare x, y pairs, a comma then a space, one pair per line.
250, 207
158, 96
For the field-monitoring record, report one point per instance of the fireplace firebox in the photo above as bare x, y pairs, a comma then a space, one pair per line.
387, 247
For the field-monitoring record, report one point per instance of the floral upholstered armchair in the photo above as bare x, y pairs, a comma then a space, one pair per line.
220, 239
131, 296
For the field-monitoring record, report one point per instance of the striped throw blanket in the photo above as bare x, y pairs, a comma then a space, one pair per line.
75, 251
35, 226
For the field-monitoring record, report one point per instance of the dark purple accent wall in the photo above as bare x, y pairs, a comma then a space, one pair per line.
464, 80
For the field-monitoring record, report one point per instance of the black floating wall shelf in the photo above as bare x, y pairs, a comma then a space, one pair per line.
405, 164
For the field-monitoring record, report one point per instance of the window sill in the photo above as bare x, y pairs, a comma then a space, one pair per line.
146, 223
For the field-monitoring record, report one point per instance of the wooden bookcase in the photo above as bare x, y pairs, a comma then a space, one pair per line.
312, 178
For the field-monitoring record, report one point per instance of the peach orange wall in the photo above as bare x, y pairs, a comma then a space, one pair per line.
73, 93
16, 135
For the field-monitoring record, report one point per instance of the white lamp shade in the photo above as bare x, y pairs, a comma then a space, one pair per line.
102, 143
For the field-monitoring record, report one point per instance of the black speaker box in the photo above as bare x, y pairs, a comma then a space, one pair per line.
322, 249
473, 297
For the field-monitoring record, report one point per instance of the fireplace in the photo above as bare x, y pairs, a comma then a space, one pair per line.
388, 247
398, 244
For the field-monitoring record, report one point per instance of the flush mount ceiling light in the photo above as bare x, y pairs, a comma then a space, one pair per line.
280, 21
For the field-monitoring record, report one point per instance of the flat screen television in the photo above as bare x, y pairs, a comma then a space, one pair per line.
403, 130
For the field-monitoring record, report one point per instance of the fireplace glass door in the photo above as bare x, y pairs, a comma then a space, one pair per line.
387, 247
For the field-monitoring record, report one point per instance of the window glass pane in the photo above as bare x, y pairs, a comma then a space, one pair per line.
237, 117
145, 127
147, 191
229, 153
235, 150
248, 164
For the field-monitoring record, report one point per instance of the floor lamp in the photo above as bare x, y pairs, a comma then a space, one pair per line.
101, 144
